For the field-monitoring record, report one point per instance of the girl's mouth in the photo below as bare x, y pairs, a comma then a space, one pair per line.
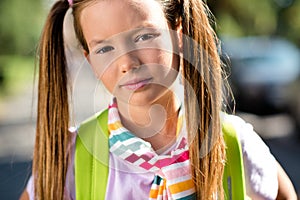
136, 84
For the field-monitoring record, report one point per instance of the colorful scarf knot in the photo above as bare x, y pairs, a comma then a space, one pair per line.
172, 178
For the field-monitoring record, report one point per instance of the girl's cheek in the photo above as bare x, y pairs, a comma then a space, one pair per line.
101, 70
153, 56
109, 81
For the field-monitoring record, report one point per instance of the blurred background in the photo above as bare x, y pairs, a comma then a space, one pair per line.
260, 43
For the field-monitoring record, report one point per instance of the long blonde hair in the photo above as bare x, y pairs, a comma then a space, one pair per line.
202, 76
201, 72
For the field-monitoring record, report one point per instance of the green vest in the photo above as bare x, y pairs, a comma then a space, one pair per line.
92, 158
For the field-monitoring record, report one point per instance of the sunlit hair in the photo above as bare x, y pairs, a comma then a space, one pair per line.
202, 75
201, 71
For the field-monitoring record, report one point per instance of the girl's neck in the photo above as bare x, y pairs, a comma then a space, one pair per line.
155, 123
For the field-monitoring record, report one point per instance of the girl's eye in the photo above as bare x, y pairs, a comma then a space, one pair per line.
104, 50
145, 37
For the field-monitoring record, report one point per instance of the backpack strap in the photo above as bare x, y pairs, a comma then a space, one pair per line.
92, 157
233, 177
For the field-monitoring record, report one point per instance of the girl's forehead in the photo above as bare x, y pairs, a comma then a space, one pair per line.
105, 18
143, 8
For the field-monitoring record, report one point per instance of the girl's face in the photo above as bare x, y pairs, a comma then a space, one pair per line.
131, 49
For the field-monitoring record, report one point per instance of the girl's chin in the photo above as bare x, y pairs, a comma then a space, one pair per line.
136, 100
144, 97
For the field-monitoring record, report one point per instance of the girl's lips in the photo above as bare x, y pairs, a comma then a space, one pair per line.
136, 84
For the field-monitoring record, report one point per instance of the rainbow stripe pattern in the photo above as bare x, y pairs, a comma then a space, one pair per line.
172, 178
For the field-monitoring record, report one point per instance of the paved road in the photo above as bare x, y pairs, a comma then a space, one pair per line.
13, 176
287, 151
17, 133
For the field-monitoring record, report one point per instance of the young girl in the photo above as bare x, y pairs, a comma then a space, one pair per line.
160, 146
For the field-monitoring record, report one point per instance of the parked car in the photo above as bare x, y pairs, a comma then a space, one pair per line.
263, 74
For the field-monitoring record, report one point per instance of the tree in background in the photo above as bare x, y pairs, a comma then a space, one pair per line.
20, 26
257, 17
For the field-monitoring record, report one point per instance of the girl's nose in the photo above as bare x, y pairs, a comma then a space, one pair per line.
128, 62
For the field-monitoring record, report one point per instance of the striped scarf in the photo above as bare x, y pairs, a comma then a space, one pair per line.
172, 178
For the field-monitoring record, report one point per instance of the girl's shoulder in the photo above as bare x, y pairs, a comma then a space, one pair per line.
249, 139
260, 165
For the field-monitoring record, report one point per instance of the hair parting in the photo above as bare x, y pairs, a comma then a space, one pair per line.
52, 136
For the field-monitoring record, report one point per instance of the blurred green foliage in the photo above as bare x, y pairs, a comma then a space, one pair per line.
20, 27
18, 73
258, 17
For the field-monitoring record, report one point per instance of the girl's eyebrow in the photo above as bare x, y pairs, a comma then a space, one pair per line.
95, 42
146, 24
